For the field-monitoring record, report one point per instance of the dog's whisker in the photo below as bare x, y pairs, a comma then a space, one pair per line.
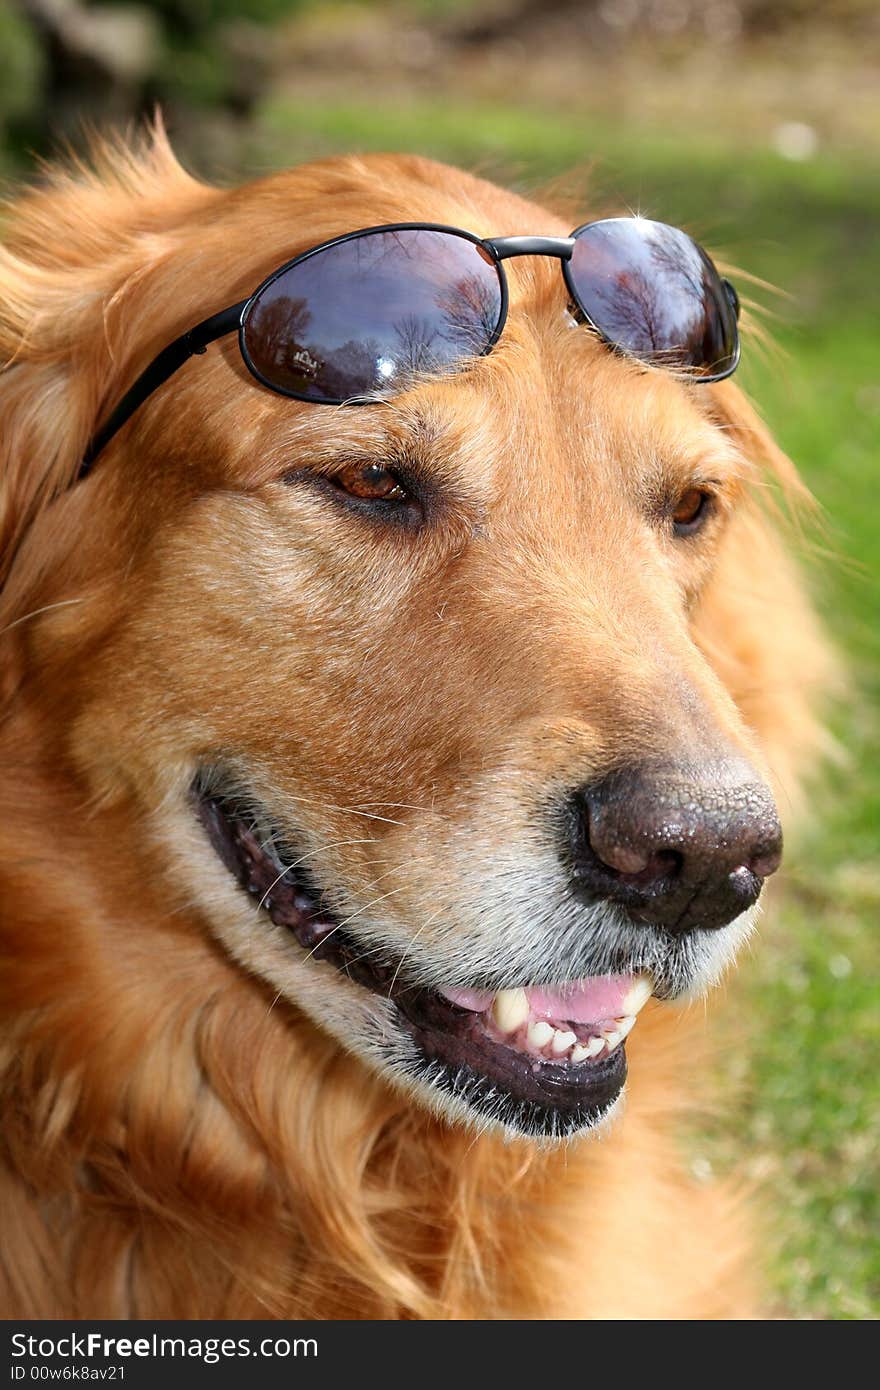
402, 806
343, 810
339, 925
413, 939
274, 1002
36, 612
322, 849
399, 868
350, 810
372, 903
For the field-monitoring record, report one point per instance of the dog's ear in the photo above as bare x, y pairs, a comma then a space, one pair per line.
72, 250
755, 621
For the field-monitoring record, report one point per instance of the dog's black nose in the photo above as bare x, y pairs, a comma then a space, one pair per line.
677, 846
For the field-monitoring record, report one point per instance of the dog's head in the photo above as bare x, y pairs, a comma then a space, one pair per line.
432, 710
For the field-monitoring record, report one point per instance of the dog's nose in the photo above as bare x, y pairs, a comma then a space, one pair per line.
678, 847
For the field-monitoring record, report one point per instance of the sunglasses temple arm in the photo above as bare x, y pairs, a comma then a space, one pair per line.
169, 360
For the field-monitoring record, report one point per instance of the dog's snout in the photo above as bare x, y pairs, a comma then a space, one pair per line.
678, 847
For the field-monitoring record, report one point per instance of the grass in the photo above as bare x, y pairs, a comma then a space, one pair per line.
808, 1113
802, 1020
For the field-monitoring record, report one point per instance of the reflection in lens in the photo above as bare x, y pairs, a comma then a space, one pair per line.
370, 314
651, 291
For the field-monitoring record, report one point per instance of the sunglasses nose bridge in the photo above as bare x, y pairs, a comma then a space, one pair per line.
502, 248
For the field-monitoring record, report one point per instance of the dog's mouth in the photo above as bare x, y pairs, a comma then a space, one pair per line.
537, 1061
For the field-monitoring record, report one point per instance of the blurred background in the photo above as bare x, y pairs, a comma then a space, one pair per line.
756, 126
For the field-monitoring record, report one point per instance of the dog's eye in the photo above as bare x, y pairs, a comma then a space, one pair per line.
370, 482
690, 511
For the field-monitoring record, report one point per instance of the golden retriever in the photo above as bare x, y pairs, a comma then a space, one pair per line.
312, 821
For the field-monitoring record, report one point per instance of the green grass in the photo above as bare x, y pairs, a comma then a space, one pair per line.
808, 1114
802, 1026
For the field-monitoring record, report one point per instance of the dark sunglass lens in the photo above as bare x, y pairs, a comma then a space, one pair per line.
650, 290
367, 315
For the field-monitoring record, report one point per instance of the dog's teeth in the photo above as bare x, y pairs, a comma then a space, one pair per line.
510, 1009
511, 1012
638, 994
562, 1041
540, 1033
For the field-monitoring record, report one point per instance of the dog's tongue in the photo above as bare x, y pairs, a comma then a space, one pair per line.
583, 1001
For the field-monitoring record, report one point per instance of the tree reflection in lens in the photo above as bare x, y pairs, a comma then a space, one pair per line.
650, 290
371, 314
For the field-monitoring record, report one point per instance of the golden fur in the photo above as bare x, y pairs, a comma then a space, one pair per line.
179, 1138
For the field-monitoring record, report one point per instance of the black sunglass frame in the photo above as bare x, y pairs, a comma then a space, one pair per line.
234, 319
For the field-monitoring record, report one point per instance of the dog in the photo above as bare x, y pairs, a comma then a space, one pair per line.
324, 829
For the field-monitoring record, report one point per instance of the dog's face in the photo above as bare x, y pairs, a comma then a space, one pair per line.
410, 694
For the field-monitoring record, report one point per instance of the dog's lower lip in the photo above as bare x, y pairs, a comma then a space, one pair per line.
555, 1096
472, 1049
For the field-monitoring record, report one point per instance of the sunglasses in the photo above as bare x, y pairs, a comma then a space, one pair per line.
362, 317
